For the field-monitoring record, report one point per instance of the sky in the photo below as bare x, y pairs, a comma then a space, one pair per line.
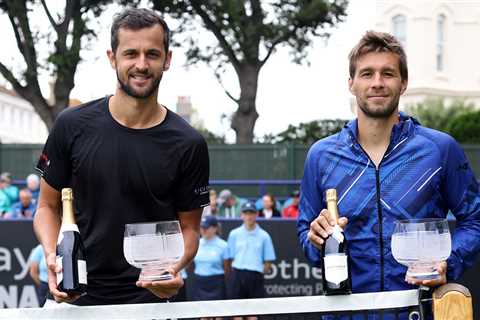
287, 93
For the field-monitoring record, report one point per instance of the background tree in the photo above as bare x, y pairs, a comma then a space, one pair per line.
68, 31
433, 112
465, 128
307, 133
247, 33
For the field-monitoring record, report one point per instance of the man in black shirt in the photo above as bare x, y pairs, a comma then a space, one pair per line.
128, 159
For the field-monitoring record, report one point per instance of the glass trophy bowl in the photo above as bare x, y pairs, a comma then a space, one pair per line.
420, 244
153, 248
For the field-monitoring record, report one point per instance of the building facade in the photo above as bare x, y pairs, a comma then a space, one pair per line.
186, 110
441, 42
19, 123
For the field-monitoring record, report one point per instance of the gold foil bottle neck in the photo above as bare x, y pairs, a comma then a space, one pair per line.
331, 197
67, 194
68, 216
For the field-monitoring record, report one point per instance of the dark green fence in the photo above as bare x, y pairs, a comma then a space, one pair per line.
227, 162
19, 159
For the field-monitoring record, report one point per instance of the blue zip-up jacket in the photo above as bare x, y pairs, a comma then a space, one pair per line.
424, 173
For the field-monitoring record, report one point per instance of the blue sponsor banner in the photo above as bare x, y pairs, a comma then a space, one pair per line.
17, 289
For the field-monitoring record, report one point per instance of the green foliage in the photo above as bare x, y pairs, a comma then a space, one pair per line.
211, 137
242, 27
67, 35
433, 112
306, 133
244, 35
459, 119
465, 128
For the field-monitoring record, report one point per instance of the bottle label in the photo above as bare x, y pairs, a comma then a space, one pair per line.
336, 268
66, 227
82, 271
60, 274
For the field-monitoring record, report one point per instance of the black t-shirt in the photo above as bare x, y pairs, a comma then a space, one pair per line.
121, 175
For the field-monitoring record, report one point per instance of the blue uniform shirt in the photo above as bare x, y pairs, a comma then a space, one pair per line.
38, 256
249, 250
210, 256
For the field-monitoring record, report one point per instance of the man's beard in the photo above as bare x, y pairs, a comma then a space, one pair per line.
139, 95
382, 113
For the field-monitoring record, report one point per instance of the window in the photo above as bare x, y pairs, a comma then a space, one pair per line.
440, 58
399, 27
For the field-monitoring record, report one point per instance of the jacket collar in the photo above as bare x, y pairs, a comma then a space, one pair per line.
403, 129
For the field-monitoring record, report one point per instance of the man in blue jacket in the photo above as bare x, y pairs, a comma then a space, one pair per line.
386, 167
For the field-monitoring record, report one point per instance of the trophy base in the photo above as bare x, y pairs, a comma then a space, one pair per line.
154, 273
423, 274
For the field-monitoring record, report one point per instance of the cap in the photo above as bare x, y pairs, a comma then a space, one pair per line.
295, 193
249, 207
209, 221
223, 196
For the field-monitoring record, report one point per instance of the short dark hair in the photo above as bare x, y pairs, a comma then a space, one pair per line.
374, 41
136, 19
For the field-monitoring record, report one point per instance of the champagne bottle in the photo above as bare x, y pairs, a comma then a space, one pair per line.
336, 277
70, 251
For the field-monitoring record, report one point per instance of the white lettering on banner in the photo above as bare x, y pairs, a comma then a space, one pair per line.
317, 273
28, 298
9, 297
293, 289
5, 259
24, 263
6, 262
318, 288
293, 270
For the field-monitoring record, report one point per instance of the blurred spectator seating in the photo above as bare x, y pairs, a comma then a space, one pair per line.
290, 209
25, 208
269, 207
213, 208
229, 204
33, 184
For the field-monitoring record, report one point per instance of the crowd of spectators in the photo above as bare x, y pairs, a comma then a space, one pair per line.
18, 202
228, 205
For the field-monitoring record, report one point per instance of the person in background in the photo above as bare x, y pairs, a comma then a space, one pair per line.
250, 253
210, 263
5, 203
291, 211
229, 204
33, 184
211, 209
39, 273
6, 196
8, 187
269, 209
25, 208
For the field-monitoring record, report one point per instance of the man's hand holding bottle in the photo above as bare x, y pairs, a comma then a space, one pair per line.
322, 227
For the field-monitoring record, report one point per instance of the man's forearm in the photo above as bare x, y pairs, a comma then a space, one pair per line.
46, 225
190, 224
190, 238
